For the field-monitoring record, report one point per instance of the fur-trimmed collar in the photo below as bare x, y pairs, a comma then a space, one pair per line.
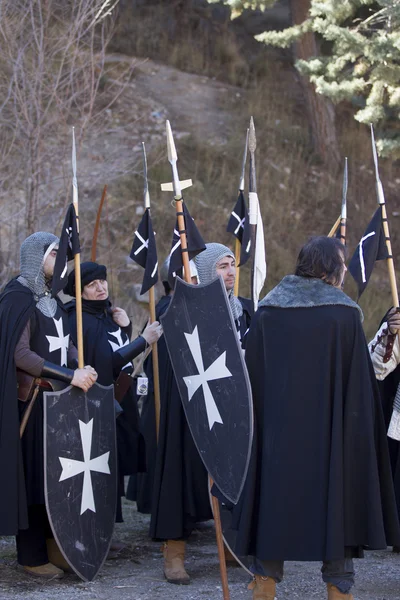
302, 292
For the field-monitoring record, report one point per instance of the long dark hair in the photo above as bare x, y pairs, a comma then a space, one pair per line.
322, 257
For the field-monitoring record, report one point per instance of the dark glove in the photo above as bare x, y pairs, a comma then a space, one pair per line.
53, 371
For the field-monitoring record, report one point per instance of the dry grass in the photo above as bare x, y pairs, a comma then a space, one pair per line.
299, 196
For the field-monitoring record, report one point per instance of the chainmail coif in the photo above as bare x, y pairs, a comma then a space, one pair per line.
34, 251
206, 263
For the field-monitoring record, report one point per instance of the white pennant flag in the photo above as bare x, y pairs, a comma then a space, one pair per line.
260, 264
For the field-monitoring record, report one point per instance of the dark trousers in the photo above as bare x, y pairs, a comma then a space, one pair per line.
339, 573
31, 542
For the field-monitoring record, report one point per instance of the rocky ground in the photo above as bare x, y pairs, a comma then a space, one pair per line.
137, 573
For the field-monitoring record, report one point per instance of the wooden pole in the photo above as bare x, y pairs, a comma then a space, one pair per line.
334, 228
220, 544
97, 225
77, 261
214, 501
389, 261
28, 411
237, 261
156, 375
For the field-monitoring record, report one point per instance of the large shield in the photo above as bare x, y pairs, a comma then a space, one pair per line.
212, 378
81, 474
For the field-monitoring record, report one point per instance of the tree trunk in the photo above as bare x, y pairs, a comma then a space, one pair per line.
321, 111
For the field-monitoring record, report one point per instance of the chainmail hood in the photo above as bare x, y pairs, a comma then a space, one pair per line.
206, 263
34, 251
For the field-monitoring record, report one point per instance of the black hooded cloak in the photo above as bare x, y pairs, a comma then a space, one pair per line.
319, 484
16, 307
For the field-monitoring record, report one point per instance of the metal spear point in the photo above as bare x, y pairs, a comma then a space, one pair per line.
345, 186
173, 159
74, 179
177, 186
241, 184
252, 149
146, 195
379, 186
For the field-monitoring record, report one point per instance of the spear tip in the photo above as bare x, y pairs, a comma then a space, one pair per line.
252, 136
172, 155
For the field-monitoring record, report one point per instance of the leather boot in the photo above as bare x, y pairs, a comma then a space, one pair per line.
47, 571
174, 556
230, 559
56, 557
263, 588
335, 594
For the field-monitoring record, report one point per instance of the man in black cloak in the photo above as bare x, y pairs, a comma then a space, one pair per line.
180, 492
385, 355
319, 485
35, 342
107, 331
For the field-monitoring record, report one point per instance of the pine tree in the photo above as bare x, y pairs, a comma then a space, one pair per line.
358, 59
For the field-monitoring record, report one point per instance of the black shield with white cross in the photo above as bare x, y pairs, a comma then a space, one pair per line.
81, 474
207, 359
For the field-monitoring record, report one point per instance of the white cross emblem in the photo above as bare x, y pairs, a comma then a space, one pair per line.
145, 243
217, 370
240, 222
59, 343
120, 344
71, 467
361, 255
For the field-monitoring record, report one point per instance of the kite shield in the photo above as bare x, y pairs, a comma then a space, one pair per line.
212, 378
81, 474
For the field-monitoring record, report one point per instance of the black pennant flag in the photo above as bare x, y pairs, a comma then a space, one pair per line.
372, 247
239, 225
68, 246
144, 251
195, 245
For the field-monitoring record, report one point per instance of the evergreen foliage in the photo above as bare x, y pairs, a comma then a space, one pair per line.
359, 59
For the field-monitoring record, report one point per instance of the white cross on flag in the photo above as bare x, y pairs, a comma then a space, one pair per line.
68, 247
372, 247
238, 224
144, 252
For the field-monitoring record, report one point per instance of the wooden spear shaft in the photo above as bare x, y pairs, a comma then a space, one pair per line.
334, 228
214, 501
156, 375
77, 262
97, 226
389, 261
182, 235
237, 261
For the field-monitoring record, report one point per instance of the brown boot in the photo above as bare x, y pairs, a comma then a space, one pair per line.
174, 568
263, 588
230, 559
56, 557
47, 571
335, 594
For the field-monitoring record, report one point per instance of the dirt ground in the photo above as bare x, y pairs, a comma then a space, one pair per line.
137, 574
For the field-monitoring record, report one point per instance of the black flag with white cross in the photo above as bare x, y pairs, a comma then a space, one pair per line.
195, 245
372, 247
239, 225
68, 246
144, 251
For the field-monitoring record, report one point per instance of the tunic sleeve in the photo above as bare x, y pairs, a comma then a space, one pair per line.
25, 358
384, 350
